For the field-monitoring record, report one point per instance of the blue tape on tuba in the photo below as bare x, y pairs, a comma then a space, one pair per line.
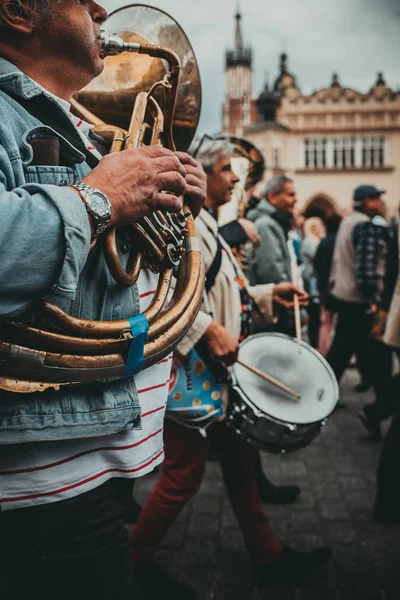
139, 329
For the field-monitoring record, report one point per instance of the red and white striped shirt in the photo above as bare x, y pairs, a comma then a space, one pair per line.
44, 472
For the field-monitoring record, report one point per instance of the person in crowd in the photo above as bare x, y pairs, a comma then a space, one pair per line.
69, 455
384, 331
357, 279
387, 500
274, 262
314, 232
185, 449
274, 258
322, 266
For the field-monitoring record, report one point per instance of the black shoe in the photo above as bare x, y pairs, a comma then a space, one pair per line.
278, 494
155, 583
131, 512
291, 565
373, 426
361, 387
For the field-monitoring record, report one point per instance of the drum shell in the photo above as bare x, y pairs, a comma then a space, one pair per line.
268, 434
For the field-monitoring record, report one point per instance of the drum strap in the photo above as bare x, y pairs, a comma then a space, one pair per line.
214, 269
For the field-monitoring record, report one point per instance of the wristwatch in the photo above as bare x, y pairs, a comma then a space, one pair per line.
97, 204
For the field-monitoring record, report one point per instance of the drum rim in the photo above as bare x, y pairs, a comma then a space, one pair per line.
305, 345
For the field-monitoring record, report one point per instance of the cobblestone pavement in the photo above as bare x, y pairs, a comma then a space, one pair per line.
337, 477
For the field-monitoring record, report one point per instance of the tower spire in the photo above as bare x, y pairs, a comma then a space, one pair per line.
238, 33
241, 55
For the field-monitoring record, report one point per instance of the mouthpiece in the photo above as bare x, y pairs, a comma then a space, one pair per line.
112, 45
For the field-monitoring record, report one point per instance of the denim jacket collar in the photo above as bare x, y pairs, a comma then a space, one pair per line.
16, 82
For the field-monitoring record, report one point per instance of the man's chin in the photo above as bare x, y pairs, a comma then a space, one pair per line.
99, 67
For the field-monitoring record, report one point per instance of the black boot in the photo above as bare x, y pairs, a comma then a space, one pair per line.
371, 424
271, 493
155, 583
291, 566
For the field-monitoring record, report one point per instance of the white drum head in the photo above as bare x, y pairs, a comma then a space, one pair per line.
306, 373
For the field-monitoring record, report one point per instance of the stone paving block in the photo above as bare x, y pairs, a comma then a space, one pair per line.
294, 469
304, 520
203, 526
228, 518
176, 535
334, 508
306, 500
305, 541
341, 532
231, 539
351, 482
207, 504
324, 491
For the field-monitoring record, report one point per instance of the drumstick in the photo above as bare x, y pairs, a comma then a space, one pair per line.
296, 306
297, 321
270, 379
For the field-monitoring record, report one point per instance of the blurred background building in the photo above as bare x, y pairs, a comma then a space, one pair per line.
330, 141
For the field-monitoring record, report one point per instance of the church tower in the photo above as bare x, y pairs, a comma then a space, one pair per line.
239, 109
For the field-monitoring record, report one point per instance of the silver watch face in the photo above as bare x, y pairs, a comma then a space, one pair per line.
99, 204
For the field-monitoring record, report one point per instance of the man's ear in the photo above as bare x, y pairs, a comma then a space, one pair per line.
18, 17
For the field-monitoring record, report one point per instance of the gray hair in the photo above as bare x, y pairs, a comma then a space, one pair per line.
209, 152
276, 184
42, 11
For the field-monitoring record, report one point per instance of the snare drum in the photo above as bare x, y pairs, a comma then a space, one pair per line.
268, 417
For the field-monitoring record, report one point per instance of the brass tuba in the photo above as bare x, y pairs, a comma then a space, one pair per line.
77, 351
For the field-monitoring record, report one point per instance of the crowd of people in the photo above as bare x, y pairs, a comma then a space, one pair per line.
70, 456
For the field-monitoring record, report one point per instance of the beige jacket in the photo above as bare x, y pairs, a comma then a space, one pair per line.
392, 331
224, 297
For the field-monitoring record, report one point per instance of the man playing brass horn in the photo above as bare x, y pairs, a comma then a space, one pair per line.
67, 454
186, 450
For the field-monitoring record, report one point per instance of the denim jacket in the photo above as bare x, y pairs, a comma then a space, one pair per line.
44, 252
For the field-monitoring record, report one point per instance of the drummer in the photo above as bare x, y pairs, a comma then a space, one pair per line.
185, 449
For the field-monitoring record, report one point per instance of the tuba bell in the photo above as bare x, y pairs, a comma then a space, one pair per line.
166, 111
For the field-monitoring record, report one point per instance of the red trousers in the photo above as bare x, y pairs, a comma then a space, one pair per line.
181, 474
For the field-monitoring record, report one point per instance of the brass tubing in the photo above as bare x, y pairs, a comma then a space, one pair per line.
160, 297
129, 276
112, 364
193, 262
135, 126
39, 339
158, 121
150, 246
151, 230
74, 325
171, 93
155, 350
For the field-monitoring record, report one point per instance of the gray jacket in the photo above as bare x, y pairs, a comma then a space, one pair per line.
44, 249
272, 263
